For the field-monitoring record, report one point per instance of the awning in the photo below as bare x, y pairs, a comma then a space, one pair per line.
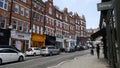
101, 32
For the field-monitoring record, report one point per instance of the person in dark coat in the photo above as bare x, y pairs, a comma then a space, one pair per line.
98, 50
92, 51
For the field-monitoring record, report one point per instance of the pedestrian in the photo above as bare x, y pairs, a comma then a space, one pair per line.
92, 51
98, 50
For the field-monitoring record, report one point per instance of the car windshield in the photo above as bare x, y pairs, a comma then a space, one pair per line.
36, 48
29, 49
43, 48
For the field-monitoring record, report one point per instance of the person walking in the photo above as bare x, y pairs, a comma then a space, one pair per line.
98, 50
92, 51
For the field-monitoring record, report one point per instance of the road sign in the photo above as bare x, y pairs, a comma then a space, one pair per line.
105, 6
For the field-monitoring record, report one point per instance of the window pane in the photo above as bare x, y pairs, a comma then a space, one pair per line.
15, 24
3, 22
22, 11
6, 1
27, 13
16, 7
26, 27
1, 4
21, 23
5, 6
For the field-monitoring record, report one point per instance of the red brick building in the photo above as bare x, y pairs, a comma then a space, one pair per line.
35, 23
20, 23
38, 23
4, 14
59, 27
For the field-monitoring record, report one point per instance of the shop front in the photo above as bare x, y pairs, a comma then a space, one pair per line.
20, 40
4, 36
38, 40
50, 40
71, 42
66, 42
59, 42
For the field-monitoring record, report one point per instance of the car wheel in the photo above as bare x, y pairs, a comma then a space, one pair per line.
51, 54
34, 54
0, 61
20, 58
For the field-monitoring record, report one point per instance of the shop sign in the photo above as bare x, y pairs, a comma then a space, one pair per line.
59, 40
18, 35
105, 6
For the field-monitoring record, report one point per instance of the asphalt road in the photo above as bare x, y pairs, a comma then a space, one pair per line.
44, 62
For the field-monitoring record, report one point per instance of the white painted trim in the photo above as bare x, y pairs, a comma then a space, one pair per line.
19, 19
21, 5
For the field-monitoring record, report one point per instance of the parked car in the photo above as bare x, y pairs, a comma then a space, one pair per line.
70, 49
49, 50
10, 55
33, 51
9, 46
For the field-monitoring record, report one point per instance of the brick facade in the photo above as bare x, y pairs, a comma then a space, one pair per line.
41, 18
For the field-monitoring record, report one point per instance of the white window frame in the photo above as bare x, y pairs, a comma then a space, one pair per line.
3, 23
26, 26
21, 26
34, 28
16, 24
16, 8
47, 20
27, 13
22, 11
57, 15
41, 30
38, 29
50, 11
25, 1
5, 2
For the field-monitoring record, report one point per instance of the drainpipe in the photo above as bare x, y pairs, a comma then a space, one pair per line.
30, 30
31, 15
10, 26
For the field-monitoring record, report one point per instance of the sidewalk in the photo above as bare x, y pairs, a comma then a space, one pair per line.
86, 61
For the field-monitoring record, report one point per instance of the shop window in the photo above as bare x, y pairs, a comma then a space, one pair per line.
3, 22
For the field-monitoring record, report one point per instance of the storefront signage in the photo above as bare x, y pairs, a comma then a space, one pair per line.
105, 6
39, 38
19, 35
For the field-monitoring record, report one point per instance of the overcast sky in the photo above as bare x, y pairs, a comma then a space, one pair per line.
82, 7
